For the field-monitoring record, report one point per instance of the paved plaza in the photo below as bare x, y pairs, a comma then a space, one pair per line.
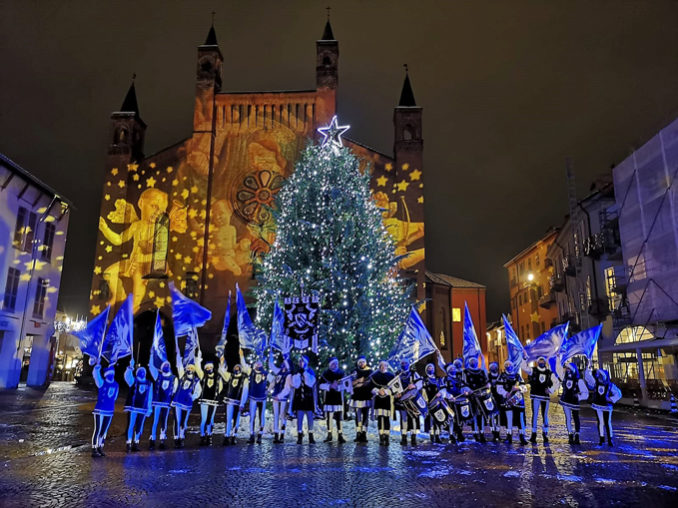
45, 461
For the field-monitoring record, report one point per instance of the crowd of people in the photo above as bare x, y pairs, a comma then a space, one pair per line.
466, 396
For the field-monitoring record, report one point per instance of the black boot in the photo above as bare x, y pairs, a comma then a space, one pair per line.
300, 437
403, 440
100, 451
482, 438
602, 441
570, 439
452, 440
251, 439
281, 439
328, 438
275, 438
232, 440
95, 453
135, 446
341, 439
151, 444
523, 441
203, 440
358, 437
258, 438
128, 446
438, 441
310, 438
182, 442
576, 438
509, 439
381, 439
176, 443
226, 441
413, 439
460, 436
162, 444
387, 439
545, 436
495, 436
364, 436
609, 441
533, 438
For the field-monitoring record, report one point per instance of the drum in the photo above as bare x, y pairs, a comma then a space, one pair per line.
462, 409
441, 411
415, 404
516, 401
486, 404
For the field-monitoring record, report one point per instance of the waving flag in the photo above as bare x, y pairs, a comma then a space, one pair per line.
279, 339
414, 343
192, 343
119, 338
92, 337
547, 344
250, 336
221, 345
471, 348
158, 349
582, 343
515, 348
186, 313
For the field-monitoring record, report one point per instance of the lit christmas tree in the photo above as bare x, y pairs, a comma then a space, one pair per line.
330, 237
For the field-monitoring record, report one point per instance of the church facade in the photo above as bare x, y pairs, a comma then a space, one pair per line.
198, 212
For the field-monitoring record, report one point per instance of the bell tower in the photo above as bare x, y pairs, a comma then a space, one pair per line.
327, 73
128, 129
208, 81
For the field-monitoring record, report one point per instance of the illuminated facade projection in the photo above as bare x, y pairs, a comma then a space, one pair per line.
197, 212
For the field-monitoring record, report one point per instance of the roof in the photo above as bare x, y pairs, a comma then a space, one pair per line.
130, 103
449, 280
327, 33
550, 231
211, 39
13, 166
407, 95
363, 145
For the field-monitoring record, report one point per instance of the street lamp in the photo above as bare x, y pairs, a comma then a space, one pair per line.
530, 276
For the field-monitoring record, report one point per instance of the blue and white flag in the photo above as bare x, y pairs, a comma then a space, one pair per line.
279, 339
221, 345
186, 313
513, 344
415, 342
471, 346
583, 343
119, 337
250, 336
547, 344
158, 348
192, 344
92, 336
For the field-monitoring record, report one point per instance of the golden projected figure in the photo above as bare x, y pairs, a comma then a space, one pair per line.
152, 205
403, 232
225, 251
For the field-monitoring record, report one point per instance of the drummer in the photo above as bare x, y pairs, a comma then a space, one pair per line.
434, 388
412, 383
455, 387
361, 400
511, 387
477, 380
497, 420
383, 401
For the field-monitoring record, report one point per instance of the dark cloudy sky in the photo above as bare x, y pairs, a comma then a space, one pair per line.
509, 89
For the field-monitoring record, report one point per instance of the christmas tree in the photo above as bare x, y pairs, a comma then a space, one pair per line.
331, 240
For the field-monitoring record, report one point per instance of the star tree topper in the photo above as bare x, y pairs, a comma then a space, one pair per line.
332, 134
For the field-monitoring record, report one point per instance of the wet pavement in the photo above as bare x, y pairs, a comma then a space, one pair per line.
45, 461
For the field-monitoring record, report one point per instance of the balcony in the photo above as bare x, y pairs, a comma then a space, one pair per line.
557, 282
547, 300
594, 246
599, 308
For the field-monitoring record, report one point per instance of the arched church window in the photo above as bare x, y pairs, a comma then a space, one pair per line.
120, 135
408, 133
326, 61
160, 245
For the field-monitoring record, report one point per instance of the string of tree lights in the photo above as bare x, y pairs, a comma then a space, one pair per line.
331, 241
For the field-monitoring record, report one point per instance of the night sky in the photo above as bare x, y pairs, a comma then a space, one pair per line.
509, 90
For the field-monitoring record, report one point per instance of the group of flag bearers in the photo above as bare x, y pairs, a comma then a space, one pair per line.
467, 394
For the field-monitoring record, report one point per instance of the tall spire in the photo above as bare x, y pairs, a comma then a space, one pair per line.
327, 33
130, 103
212, 34
407, 95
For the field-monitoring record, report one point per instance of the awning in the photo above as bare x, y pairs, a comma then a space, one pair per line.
643, 345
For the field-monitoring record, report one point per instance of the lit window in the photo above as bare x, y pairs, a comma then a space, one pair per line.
456, 314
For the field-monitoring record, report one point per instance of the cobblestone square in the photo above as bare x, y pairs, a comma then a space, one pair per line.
44, 449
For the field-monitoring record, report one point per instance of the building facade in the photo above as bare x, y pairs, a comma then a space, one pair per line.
198, 212
533, 309
33, 227
445, 299
497, 349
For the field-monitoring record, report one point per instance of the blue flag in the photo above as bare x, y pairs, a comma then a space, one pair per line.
583, 343
221, 345
186, 313
471, 347
415, 342
158, 349
192, 343
547, 344
515, 348
249, 335
92, 337
119, 338
279, 339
